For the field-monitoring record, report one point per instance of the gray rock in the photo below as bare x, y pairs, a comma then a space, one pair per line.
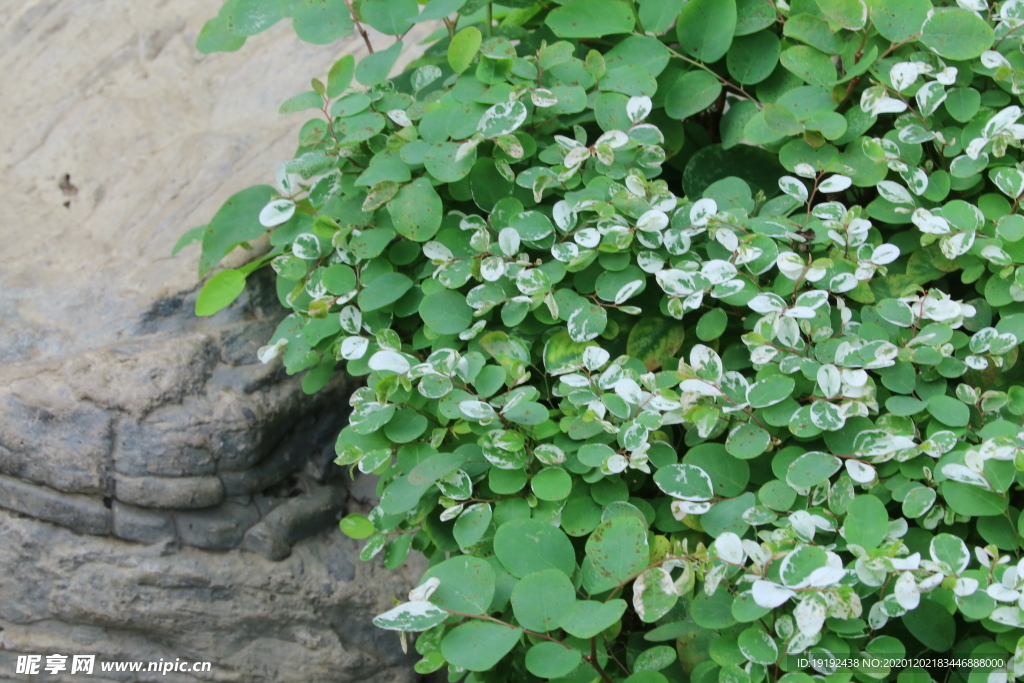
81, 513
220, 529
169, 492
143, 526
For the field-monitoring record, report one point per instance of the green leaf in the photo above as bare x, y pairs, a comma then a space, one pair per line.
850, 14
618, 548
811, 65
472, 524
770, 390
416, 211
655, 340
383, 291
949, 411
446, 312
955, 33
967, 499
439, 9
867, 522
219, 291
753, 58
932, 624
215, 36
527, 546
540, 599
694, 92
705, 28
752, 16
758, 646
193, 235
712, 324
552, 660
747, 441
479, 645
320, 22
551, 483
658, 15
340, 76
587, 618
393, 17
463, 48
235, 222
898, 20
467, 584
374, 69
810, 469
591, 19
357, 527
713, 611
302, 102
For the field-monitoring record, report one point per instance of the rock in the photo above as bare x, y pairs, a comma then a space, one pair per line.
304, 619
148, 462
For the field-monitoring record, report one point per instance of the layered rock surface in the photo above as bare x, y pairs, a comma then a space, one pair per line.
162, 493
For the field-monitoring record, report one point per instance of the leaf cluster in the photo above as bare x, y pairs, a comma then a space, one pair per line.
688, 331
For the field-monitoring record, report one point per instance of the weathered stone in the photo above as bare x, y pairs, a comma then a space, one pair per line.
217, 529
256, 621
84, 514
169, 492
266, 474
143, 526
268, 541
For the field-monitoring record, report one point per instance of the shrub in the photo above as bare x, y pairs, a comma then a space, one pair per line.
689, 331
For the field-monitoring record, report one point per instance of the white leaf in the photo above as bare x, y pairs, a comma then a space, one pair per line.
1001, 120
810, 616
885, 254
436, 251
929, 223
277, 212
965, 586
823, 577
681, 508
962, 474
860, 472
699, 386
411, 616
652, 221
993, 60
836, 183
894, 192
1001, 593
729, 548
390, 361
543, 97
908, 595
354, 348
701, 211
476, 410
270, 352
424, 590
903, 75
508, 241
638, 108
770, 595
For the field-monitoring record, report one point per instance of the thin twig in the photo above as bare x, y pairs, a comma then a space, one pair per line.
359, 26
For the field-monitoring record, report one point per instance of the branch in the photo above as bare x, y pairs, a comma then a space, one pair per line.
359, 26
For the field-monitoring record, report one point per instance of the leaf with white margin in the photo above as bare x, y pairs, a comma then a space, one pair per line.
476, 410
276, 212
930, 96
991, 59
965, 587
652, 221
929, 223
1009, 180
424, 590
860, 472
769, 594
699, 386
1002, 120
612, 138
829, 380
682, 508
908, 595
835, 183
950, 551
389, 361
354, 348
418, 615
1008, 616
638, 108
894, 192
962, 474
793, 187
885, 254
502, 118
768, 302
270, 352
729, 548
903, 75
542, 97
810, 615
685, 482
1001, 593
823, 577
701, 211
